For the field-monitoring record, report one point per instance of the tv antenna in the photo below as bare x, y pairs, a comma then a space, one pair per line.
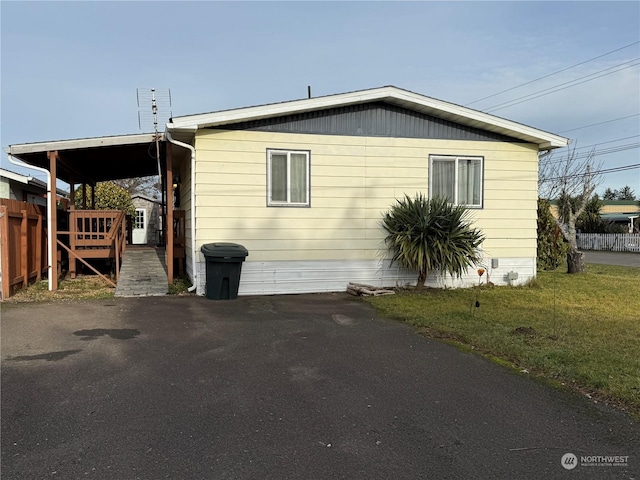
154, 106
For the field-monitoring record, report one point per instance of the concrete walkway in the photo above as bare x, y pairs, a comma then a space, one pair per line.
143, 273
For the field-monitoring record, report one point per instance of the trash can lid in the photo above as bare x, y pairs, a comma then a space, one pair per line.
223, 249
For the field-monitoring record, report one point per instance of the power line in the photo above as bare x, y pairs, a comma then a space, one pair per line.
604, 143
600, 123
617, 169
596, 172
555, 88
554, 73
595, 153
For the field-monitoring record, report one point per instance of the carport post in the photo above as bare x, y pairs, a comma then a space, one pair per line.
169, 187
52, 198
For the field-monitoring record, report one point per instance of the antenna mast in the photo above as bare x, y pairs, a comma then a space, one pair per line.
154, 106
149, 101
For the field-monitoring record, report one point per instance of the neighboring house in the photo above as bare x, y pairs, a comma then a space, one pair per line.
303, 186
146, 221
623, 212
24, 188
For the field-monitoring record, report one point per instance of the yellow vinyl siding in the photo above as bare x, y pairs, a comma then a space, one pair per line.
620, 209
353, 180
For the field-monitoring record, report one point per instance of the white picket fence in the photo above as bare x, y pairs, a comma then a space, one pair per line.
612, 242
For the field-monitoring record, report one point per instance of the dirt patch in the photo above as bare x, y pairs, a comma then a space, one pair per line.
80, 288
524, 331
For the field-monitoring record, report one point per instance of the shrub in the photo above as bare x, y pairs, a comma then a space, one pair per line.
431, 235
552, 247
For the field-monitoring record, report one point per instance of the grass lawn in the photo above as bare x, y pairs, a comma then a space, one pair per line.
84, 287
581, 331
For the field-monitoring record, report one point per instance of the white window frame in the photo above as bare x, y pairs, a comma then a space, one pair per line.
288, 202
140, 218
456, 159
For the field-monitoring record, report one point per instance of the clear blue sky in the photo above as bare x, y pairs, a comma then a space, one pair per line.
71, 69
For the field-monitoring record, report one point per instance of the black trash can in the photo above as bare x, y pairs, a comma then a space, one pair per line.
224, 264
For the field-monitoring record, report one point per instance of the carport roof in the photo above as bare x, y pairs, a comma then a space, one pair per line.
94, 159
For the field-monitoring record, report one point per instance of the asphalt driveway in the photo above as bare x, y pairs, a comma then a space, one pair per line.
286, 387
624, 259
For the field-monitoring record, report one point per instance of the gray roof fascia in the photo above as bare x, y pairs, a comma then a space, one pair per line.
390, 94
619, 216
36, 182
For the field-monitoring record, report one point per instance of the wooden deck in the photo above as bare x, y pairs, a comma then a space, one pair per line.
103, 234
95, 234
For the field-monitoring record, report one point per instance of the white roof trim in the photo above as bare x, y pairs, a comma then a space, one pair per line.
394, 95
146, 197
15, 176
29, 180
95, 142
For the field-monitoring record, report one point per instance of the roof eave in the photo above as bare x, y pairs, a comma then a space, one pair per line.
393, 95
16, 177
39, 147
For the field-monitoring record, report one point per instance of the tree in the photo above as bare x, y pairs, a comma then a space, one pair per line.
609, 194
109, 196
625, 193
140, 185
431, 235
552, 247
572, 179
590, 221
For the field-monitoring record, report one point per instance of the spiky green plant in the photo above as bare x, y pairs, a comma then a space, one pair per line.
431, 235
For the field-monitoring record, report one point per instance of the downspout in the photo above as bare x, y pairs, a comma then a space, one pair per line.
193, 206
51, 197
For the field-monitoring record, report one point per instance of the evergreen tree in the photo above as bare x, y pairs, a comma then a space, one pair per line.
609, 194
625, 193
552, 247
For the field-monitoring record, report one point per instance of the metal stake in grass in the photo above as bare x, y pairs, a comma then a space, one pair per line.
477, 301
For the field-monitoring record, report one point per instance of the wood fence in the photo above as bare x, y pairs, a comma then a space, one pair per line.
612, 242
23, 244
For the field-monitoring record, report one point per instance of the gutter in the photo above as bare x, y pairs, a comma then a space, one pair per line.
51, 197
193, 206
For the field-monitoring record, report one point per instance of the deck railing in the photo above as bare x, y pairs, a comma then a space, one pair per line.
179, 237
96, 234
94, 228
